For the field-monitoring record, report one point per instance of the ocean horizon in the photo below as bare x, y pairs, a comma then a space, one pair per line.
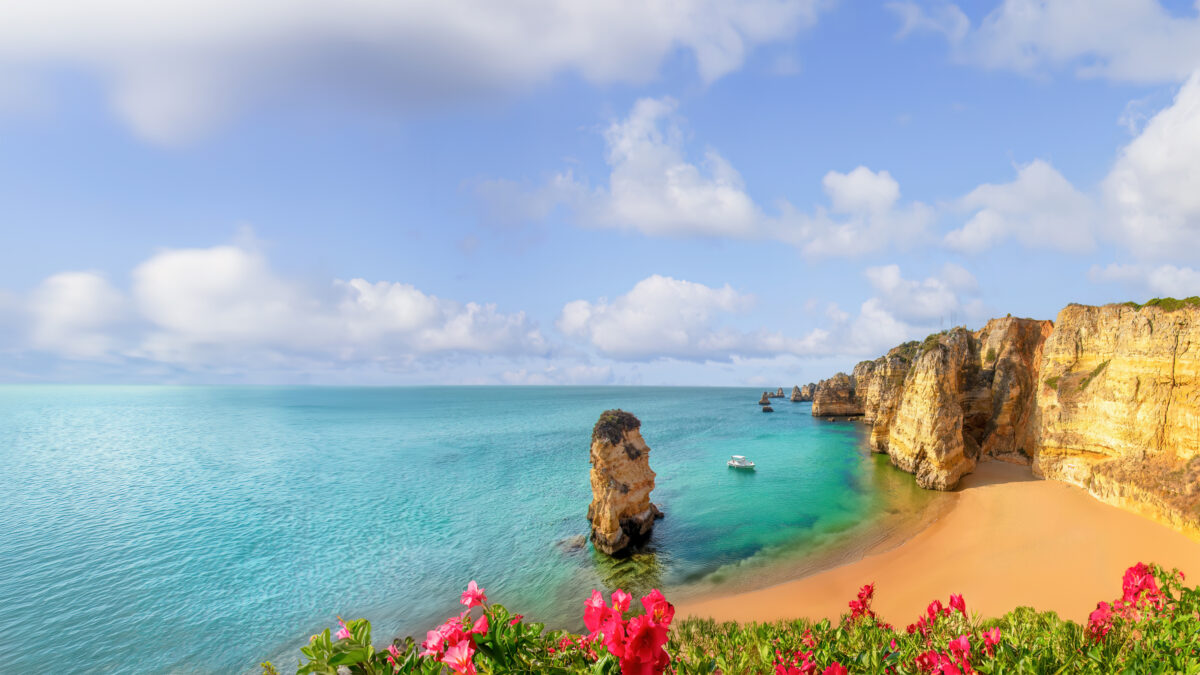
157, 529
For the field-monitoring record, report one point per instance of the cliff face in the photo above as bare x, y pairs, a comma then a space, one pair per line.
1106, 398
836, 397
620, 513
808, 391
1118, 407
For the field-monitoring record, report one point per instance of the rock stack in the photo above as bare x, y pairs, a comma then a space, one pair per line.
778, 393
620, 513
837, 397
766, 398
795, 397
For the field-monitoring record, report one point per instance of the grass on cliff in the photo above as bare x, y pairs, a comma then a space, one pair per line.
1052, 382
1167, 304
1092, 375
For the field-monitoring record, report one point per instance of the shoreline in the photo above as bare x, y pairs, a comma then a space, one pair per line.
1008, 539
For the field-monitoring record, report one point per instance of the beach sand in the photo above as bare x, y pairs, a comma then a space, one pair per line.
1010, 540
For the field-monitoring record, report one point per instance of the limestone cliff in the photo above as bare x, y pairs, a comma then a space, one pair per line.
836, 397
620, 513
1106, 398
1118, 406
808, 391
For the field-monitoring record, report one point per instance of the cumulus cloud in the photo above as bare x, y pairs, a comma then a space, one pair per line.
656, 189
225, 306
932, 298
1122, 40
1040, 209
663, 317
1151, 280
1153, 190
174, 69
74, 314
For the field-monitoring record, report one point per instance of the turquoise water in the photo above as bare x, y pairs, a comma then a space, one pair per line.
202, 530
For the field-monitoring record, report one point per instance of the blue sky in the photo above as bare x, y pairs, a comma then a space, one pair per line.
644, 193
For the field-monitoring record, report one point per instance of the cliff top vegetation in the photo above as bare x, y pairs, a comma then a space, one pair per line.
612, 424
1167, 304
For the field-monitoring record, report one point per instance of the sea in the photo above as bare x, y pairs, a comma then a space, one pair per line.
149, 529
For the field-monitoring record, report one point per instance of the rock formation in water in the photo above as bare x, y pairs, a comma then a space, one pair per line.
620, 513
836, 397
778, 393
1106, 398
767, 408
1118, 408
808, 391
766, 398
795, 397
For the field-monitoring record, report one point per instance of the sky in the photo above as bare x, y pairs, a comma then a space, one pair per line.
692, 192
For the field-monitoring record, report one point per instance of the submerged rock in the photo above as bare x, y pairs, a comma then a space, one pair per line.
621, 514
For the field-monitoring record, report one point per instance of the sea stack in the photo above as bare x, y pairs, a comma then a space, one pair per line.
796, 394
778, 393
620, 513
766, 398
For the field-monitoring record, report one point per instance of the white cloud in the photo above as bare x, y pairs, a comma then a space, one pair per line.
1153, 190
670, 318
943, 18
1121, 40
225, 307
864, 217
1040, 209
560, 375
74, 314
173, 69
932, 298
1158, 281
653, 188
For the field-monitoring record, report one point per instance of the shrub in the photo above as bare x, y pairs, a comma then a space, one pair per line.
1167, 304
1092, 375
1152, 627
991, 354
1052, 382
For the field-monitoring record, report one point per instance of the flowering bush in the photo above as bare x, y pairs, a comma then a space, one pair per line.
1153, 627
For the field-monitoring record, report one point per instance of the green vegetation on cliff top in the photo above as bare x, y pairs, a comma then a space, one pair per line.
1167, 304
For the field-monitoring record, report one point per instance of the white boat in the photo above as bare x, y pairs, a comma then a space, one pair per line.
740, 462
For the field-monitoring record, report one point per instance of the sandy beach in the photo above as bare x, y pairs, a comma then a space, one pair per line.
1010, 540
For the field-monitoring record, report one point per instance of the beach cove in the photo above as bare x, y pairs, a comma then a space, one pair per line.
1009, 540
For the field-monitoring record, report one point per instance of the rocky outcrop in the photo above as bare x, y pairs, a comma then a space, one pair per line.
767, 408
778, 393
808, 391
795, 397
1118, 408
766, 398
881, 391
620, 513
836, 397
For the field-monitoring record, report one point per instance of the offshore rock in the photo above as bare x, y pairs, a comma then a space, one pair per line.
836, 397
778, 393
1118, 401
766, 398
795, 397
621, 514
767, 408
808, 391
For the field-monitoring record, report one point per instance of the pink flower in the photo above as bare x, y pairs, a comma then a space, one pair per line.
459, 656
957, 602
960, 645
991, 638
344, 633
1100, 621
935, 608
835, 669
658, 608
594, 611
393, 651
480, 627
516, 619
433, 643
621, 600
473, 596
